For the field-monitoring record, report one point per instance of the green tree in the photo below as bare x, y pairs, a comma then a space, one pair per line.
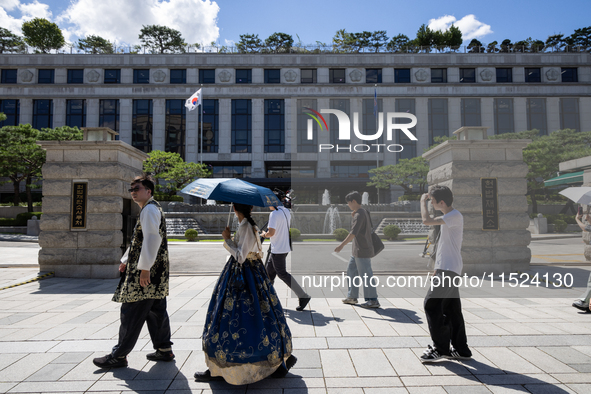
582, 38
95, 44
556, 41
378, 40
425, 38
249, 43
2, 116
358, 41
406, 173
341, 41
182, 174
506, 46
170, 167
43, 35
453, 37
162, 39
279, 42
475, 46
398, 43
10, 42
492, 47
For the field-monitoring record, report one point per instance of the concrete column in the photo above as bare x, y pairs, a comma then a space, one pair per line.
460, 165
323, 169
26, 111
258, 75
92, 113
487, 114
225, 140
387, 75
389, 105
290, 125
125, 119
520, 113
60, 76
192, 135
192, 76
422, 127
158, 124
322, 75
258, 138
553, 113
126, 75
585, 113
59, 112
454, 113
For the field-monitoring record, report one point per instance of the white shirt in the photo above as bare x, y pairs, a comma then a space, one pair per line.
449, 247
244, 242
150, 219
280, 220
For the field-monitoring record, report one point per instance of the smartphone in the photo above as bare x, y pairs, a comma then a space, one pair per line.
580, 211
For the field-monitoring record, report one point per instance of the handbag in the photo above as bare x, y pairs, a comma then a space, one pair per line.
377, 243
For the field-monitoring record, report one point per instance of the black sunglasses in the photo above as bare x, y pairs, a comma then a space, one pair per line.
135, 189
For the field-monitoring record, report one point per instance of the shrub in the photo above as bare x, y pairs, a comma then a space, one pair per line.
167, 197
340, 234
6, 222
410, 197
391, 231
295, 234
191, 234
21, 218
559, 226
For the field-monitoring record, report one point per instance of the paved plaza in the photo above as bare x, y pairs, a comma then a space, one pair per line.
52, 328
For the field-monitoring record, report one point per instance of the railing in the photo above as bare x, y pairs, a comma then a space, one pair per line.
325, 49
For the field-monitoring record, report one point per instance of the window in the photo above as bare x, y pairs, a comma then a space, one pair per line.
569, 114
305, 121
373, 75
504, 75
112, 76
336, 75
206, 76
231, 170
244, 76
308, 75
109, 114
76, 76
45, 76
241, 126
272, 76
471, 112
439, 75
346, 170
536, 115
178, 76
141, 76
76, 113
210, 126
503, 112
174, 139
141, 125
10, 108
402, 75
533, 75
278, 170
438, 121
409, 146
42, 114
9, 76
467, 75
569, 74
274, 126
371, 121
344, 106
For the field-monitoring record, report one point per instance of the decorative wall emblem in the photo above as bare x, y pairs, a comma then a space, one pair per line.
159, 76
26, 76
421, 75
355, 75
225, 76
290, 76
552, 74
487, 74
93, 76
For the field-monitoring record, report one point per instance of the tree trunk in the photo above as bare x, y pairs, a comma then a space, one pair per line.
534, 203
29, 194
17, 198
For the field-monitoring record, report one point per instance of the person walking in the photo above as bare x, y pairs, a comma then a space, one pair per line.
442, 303
362, 252
143, 287
583, 302
245, 337
278, 232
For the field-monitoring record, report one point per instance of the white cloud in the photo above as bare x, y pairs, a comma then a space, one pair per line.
9, 5
121, 21
230, 43
468, 25
27, 12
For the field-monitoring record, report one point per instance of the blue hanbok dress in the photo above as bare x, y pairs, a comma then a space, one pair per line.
245, 337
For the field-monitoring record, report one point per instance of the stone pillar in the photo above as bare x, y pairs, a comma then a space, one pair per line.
92, 112
59, 112
258, 138
108, 167
460, 165
225, 125
159, 121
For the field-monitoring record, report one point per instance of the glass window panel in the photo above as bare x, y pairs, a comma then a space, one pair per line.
45, 76
438, 119
206, 76
504, 75
178, 76
243, 75
9, 76
272, 76
373, 75
536, 115
76, 76
569, 114
533, 75
141, 76
112, 76
467, 75
337, 75
76, 113
308, 76
504, 117
569, 74
10, 108
471, 112
402, 75
109, 114
42, 114
439, 75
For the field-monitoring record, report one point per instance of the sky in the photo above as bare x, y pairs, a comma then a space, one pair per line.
223, 21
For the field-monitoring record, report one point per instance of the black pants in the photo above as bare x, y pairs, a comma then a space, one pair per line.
276, 267
133, 316
444, 315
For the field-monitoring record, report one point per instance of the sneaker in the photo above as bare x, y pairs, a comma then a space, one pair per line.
350, 301
579, 304
370, 304
283, 370
160, 356
432, 356
463, 355
109, 361
205, 376
303, 303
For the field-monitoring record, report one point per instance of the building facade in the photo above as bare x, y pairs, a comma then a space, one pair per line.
256, 106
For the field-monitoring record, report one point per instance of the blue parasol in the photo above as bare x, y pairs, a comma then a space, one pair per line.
232, 190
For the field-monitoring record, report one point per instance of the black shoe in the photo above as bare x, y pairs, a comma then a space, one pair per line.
205, 376
109, 361
303, 303
160, 356
283, 370
432, 356
463, 355
579, 304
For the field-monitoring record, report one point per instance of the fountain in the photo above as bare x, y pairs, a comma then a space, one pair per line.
332, 220
326, 197
365, 198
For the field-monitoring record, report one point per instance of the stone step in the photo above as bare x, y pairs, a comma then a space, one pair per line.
178, 226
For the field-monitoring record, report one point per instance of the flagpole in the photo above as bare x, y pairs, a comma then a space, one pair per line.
201, 138
377, 150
